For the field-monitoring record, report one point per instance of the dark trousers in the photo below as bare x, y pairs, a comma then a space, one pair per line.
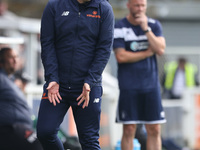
19, 137
87, 120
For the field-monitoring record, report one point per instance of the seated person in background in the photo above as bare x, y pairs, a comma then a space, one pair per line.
16, 131
178, 76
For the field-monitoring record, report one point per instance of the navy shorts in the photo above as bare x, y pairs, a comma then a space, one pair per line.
140, 106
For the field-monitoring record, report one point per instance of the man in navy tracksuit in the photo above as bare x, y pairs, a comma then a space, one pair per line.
76, 40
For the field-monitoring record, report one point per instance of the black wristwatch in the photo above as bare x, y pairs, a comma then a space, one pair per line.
148, 29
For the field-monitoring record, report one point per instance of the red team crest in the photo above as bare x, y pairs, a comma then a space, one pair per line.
94, 15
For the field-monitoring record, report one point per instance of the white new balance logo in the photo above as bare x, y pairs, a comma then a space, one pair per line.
65, 13
96, 100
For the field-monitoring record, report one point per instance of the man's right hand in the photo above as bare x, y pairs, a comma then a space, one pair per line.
53, 93
149, 52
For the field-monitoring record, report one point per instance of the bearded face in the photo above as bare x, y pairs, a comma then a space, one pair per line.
9, 61
137, 8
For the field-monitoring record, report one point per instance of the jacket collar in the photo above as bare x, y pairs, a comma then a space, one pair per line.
3, 71
11, 77
93, 3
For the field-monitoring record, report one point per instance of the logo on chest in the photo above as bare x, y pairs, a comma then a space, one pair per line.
137, 46
65, 13
93, 15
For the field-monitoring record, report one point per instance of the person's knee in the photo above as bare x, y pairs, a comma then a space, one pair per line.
89, 141
42, 135
129, 130
153, 130
45, 133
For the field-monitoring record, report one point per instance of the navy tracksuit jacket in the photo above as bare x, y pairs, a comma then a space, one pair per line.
76, 42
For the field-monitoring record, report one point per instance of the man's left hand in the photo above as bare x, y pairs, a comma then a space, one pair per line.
85, 95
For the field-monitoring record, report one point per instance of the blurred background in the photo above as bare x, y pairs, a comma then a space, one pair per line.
20, 26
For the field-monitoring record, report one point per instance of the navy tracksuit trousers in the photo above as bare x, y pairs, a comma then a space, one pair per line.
87, 120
